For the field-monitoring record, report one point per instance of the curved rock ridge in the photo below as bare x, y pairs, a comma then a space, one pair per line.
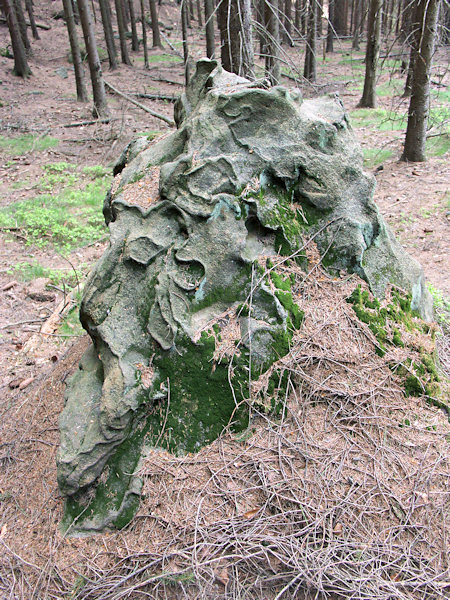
182, 308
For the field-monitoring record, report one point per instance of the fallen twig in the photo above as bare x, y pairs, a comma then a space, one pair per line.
94, 122
139, 105
157, 97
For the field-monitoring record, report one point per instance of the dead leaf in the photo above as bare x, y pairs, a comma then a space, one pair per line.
25, 383
222, 576
3, 530
337, 530
251, 513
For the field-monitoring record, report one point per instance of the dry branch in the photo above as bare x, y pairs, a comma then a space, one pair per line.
139, 105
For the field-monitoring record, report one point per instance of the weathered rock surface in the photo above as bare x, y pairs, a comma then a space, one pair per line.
180, 309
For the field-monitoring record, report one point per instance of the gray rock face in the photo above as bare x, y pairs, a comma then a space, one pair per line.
181, 310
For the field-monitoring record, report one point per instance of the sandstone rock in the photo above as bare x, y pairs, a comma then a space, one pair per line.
182, 309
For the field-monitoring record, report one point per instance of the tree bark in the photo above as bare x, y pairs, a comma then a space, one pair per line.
340, 18
356, 20
414, 148
95, 69
288, 22
310, 69
144, 35
199, 14
234, 19
109, 35
272, 42
184, 31
330, 32
34, 31
134, 36
80, 83
209, 24
22, 26
121, 27
155, 25
21, 68
369, 99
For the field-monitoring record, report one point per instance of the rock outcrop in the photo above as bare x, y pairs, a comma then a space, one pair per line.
184, 309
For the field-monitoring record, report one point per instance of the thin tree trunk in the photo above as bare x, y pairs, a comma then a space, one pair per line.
330, 32
209, 23
22, 26
356, 20
310, 70
184, 31
76, 15
339, 15
134, 37
109, 35
272, 45
234, 17
414, 148
21, 67
369, 98
199, 14
95, 69
34, 31
155, 25
121, 27
144, 35
82, 95
288, 22
297, 11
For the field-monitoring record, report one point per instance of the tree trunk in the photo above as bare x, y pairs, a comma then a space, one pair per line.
109, 35
272, 42
121, 27
155, 25
134, 36
288, 22
369, 98
184, 32
356, 24
199, 14
34, 31
209, 23
82, 95
144, 35
297, 12
414, 148
98, 87
310, 70
234, 18
339, 15
330, 32
21, 67
22, 26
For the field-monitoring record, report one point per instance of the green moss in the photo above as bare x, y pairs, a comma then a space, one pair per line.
419, 377
296, 315
279, 282
201, 398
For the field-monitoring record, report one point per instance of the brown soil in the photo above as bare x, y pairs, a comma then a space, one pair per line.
323, 460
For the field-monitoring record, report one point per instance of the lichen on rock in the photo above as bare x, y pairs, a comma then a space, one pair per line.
182, 311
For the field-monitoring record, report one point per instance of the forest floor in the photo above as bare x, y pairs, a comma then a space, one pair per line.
54, 175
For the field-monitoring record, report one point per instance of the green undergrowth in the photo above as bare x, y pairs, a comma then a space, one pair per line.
28, 271
68, 215
386, 120
374, 157
441, 307
394, 325
23, 144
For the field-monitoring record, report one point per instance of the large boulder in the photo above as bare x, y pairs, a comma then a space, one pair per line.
185, 309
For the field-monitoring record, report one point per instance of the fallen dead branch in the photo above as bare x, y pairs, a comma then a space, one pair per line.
83, 123
139, 105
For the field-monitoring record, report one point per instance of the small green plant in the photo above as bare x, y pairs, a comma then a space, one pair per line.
67, 220
22, 144
28, 271
96, 171
374, 157
71, 325
441, 307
